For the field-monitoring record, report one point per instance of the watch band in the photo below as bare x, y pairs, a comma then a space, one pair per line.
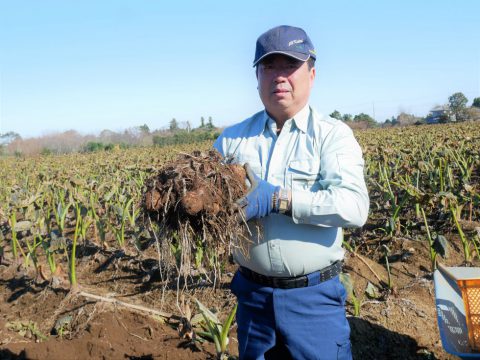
283, 203
275, 201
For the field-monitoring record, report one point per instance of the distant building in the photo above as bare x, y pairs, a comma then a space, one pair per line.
440, 114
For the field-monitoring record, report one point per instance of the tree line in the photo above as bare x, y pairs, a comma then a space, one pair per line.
456, 109
12, 143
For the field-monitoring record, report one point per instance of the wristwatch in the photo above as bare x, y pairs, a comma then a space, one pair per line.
283, 202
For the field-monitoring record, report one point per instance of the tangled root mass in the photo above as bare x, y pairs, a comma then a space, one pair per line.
193, 199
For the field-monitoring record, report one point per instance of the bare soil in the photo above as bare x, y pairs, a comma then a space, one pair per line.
399, 324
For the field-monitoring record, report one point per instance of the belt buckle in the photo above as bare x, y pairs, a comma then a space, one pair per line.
325, 275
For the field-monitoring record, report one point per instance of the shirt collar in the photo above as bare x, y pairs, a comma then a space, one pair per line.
264, 120
300, 119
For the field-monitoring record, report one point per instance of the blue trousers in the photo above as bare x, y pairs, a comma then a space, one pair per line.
302, 323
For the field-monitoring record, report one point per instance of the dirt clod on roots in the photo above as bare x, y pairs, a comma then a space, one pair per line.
192, 199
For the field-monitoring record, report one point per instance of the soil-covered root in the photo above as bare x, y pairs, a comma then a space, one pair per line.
192, 199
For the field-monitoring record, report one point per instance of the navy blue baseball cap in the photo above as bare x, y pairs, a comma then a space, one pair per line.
286, 40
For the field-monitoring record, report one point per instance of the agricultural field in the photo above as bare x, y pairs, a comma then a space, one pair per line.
85, 274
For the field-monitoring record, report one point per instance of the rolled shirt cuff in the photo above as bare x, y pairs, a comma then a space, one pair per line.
301, 206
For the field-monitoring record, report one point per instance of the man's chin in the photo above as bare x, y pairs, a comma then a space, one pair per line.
282, 104
282, 95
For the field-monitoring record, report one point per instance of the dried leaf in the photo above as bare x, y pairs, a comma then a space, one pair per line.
440, 245
372, 291
23, 226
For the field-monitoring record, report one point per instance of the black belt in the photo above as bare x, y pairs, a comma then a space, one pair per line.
316, 277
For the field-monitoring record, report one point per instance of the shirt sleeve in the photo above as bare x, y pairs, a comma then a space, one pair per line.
343, 199
219, 144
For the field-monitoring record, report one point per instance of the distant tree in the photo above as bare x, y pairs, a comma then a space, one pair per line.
404, 119
173, 125
336, 115
92, 146
476, 102
458, 103
8, 137
107, 135
210, 123
388, 122
391, 122
347, 117
202, 122
46, 151
159, 140
362, 117
184, 137
188, 127
457, 100
144, 129
11, 134
473, 113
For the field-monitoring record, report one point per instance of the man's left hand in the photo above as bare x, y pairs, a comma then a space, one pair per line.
258, 202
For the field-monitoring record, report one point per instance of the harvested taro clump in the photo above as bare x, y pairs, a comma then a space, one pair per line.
192, 199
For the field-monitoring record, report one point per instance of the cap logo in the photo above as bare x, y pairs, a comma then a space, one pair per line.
293, 42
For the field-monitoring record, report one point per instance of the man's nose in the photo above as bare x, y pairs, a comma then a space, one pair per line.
280, 74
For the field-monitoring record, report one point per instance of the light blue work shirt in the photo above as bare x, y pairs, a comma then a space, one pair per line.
318, 159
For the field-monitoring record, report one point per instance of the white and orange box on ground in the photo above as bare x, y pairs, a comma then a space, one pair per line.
457, 298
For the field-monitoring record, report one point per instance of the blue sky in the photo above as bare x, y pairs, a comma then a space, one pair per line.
93, 65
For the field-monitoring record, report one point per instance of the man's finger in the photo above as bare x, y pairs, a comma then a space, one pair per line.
250, 174
242, 202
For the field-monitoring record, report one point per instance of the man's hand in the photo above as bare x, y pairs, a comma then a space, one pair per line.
259, 201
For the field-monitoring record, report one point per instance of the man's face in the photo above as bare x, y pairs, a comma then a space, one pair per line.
284, 85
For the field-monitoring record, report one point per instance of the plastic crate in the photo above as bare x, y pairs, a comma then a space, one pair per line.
471, 299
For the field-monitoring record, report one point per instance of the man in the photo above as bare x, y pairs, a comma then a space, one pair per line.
306, 172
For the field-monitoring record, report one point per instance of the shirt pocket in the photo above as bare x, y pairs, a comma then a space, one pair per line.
303, 175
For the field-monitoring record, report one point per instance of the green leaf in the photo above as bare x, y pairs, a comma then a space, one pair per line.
226, 328
198, 257
204, 310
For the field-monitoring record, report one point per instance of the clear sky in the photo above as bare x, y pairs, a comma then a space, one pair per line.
113, 64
